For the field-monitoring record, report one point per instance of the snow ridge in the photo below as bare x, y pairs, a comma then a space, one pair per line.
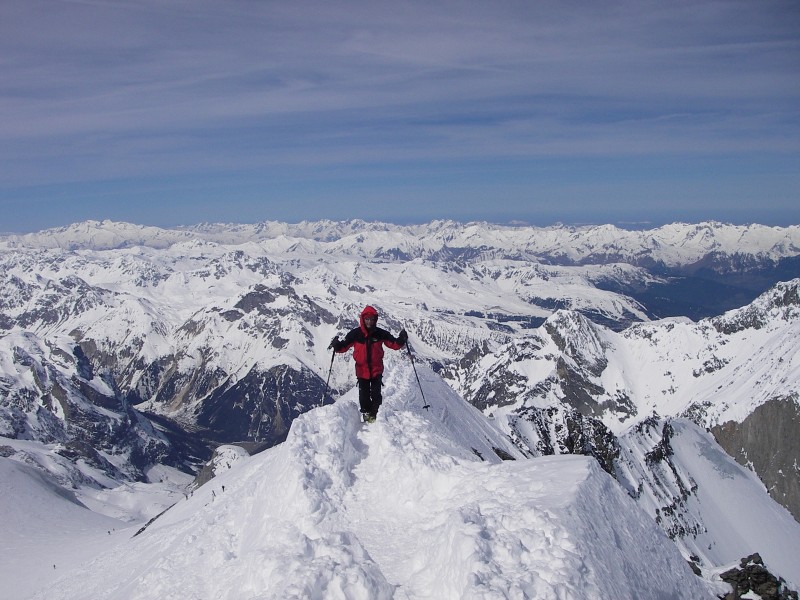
415, 506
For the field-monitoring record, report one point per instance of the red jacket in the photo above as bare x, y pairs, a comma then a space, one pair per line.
368, 346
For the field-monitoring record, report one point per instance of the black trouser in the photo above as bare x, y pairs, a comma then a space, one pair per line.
369, 394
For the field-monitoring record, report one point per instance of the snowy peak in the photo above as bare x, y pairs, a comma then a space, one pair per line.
403, 508
781, 303
715, 370
578, 339
736, 375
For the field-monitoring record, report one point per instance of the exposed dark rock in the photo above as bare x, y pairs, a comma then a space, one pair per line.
662, 450
669, 488
79, 449
502, 453
784, 299
261, 406
753, 576
83, 364
579, 391
694, 565
561, 430
768, 441
696, 412
231, 315
255, 300
211, 469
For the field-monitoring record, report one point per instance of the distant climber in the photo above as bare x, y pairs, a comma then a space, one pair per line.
367, 341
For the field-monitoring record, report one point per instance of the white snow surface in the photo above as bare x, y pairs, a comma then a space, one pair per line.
403, 508
739, 517
44, 530
48, 530
733, 514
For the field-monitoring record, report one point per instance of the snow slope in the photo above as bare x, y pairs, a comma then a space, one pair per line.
718, 510
418, 505
44, 530
739, 517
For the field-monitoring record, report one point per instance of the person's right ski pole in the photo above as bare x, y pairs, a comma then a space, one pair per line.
325, 393
426, 406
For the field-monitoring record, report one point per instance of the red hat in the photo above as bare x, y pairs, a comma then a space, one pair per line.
369, 312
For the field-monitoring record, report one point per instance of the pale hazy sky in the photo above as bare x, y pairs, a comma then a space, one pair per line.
170, 112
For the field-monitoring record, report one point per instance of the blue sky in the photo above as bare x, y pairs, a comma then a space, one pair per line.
169, 112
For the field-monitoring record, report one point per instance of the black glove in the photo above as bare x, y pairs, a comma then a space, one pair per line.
335, 343
403, 337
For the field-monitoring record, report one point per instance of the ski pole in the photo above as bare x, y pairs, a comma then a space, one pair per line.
426, 406
330, 370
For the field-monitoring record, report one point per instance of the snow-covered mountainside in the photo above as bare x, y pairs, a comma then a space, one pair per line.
715, 370
222, 329
736, 375
126, 351
417, 505
715, 509
228, 342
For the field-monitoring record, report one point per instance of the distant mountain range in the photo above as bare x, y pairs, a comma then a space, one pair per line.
695, 270
124, 347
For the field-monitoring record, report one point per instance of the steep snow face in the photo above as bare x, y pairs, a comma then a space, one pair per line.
720, 369
715, 509
417, 505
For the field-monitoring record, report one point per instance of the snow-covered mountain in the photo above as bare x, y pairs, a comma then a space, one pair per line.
678, 244
669, 466
736, 375
229, 341
128, 350
418, 505
690, 270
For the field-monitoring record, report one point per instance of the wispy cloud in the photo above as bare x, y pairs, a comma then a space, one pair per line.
93, 90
